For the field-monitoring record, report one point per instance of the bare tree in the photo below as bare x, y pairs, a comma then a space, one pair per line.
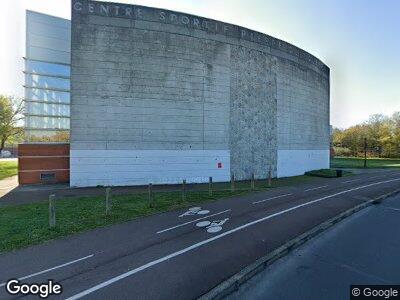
11, 110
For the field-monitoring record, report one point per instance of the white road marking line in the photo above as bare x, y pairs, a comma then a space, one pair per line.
392, 208
316, 188
280, 196
51, 269
186, 223
199, 244
348, 181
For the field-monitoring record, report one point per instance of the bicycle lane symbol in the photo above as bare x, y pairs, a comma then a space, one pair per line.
212, 227
194, 211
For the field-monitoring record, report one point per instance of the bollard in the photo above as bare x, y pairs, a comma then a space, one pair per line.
150, 189
210, 192
183, 190
365, 152
52, 211
232, 183
108, 204
269, 177
252, 184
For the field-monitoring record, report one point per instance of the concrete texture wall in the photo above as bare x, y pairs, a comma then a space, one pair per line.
302, 119
145, 79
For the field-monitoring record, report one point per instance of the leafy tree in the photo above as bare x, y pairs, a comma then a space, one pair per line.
382, 134
10, 116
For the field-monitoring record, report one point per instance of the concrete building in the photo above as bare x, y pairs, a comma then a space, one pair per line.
160, 96
47, 75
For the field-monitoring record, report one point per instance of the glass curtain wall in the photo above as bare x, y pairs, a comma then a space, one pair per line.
47, 78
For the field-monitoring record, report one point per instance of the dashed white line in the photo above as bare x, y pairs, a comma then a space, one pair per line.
392, 208
204, 242
348, 181
316, 188
51, 269
280, 196
189, 222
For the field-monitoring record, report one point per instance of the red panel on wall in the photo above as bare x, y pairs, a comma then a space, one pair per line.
43, 163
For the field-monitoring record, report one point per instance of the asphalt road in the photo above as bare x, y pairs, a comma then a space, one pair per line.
363, 249
167, 256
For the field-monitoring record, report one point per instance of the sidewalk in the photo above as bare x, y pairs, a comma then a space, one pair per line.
8, 184
363, 249
8, 159
34, 193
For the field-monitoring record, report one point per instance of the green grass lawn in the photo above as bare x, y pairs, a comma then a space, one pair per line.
356, 162
8, 168
27, 224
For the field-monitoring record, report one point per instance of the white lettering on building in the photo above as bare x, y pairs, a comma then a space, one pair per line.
78, 6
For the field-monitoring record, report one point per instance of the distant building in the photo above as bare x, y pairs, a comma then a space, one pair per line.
47, 75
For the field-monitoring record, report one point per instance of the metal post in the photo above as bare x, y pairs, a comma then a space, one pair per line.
210, 186
269, 177
232, 183
108, 204
150, 190
365, 152
183, 190
52, 211
252, 185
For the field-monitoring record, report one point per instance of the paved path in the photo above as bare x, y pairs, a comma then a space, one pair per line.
167, 256
40, 192
363, 249
7, 185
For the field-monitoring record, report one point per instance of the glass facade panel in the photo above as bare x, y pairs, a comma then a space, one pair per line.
47, 68
47, 77
38, 135
35, 108
47, 95
47, 122
46, 82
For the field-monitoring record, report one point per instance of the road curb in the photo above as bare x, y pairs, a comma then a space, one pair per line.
232, 284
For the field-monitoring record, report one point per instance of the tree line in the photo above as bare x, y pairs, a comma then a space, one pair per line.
380, 134
11, 115
12, 127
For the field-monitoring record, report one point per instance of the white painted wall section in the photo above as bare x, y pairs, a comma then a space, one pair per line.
296, 162
138, 167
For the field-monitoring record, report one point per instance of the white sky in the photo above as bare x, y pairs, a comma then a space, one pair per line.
359, 41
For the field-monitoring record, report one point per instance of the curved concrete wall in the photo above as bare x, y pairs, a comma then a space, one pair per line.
160, 96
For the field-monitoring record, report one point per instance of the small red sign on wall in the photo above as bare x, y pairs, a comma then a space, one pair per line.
219, 165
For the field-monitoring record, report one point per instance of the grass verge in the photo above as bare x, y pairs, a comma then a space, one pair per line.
27, 224
8, 169
357, 162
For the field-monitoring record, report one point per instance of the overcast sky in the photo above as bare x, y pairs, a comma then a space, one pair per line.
358, 39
